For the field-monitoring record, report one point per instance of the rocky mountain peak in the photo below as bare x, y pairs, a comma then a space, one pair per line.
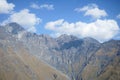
13, 28
65, 38
89, 39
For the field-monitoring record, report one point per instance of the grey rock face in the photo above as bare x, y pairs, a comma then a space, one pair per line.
66, 53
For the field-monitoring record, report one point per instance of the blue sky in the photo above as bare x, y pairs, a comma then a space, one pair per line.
52, 17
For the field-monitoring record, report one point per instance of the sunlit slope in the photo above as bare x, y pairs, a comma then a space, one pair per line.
112, 71
105, 63
22, 66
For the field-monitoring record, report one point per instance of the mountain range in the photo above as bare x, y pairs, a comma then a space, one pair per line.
29, 56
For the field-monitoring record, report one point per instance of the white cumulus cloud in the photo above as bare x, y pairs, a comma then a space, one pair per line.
43, 6
6, 7
24, 18
92, 10
101, 30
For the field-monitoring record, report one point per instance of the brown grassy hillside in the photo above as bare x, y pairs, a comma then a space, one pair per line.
112, 71
105, 63
22, 66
